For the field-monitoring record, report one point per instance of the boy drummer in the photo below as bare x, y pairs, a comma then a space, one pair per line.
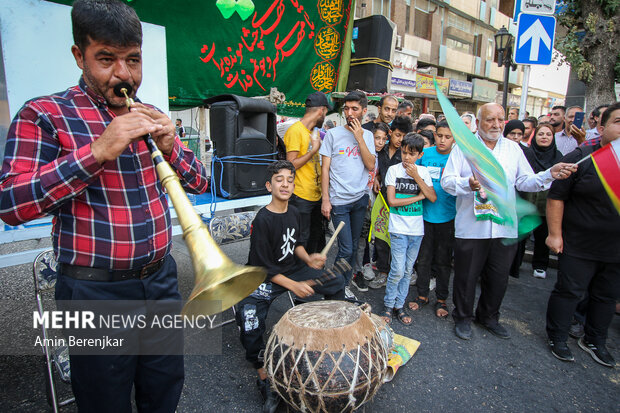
273, 245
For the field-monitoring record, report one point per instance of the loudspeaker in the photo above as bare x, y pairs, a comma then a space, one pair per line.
243, 132
374, 40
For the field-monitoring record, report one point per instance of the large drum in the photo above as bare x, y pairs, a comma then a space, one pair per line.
327, 356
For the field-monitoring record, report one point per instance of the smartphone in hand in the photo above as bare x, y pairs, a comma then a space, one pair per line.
578, 121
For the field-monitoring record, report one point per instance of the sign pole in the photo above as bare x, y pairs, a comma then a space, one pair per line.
524, 86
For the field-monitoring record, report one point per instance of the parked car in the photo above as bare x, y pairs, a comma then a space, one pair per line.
192, 135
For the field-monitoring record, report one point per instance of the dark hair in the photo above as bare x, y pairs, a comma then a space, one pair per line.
607, 113
424, 122
597, 110
515, 108
402, 123
413, 141
382, 126
179, 120
442, 124
562, 108
108, 21
428, 134
276, 166
543, 125
357, 96
532, 120
382, 100
405, 104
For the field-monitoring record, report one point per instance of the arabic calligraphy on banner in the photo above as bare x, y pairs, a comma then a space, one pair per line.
424, 84
271, 40
247, 47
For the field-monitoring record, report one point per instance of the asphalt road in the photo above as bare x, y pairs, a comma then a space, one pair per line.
446, 373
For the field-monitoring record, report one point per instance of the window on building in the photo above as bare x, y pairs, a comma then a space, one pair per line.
491, 55
381, 7
507, 7
458, 45
459, 22
422, 20
408, 16
477, 46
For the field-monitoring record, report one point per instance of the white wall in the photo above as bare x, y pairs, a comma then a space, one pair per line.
36, 48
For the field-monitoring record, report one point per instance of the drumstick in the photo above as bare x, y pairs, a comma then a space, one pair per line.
332, 239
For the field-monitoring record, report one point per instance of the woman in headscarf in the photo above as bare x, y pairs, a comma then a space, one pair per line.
542, 155
469, 119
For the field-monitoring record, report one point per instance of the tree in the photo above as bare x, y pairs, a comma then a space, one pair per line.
591, 44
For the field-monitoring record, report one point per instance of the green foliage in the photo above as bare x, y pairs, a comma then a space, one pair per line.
586, 32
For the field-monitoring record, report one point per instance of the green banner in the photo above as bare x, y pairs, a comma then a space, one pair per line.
247, 47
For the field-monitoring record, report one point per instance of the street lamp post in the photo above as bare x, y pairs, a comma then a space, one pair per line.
504, 42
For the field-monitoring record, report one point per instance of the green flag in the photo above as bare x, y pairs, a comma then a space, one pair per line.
490, 174
379, 220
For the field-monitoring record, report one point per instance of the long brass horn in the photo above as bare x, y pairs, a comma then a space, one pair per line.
219, 283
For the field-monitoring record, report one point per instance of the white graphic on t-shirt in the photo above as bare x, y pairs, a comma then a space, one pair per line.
289, 243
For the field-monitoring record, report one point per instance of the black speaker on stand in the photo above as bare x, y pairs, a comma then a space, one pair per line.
243, 132
374, 40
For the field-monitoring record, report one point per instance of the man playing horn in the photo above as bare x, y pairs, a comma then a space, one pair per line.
78, 155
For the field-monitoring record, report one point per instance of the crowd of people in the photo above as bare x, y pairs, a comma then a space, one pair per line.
440, 219
79, 155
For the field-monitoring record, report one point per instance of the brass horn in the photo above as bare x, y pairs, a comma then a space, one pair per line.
219, 283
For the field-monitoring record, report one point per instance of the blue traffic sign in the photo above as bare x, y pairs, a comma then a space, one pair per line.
534, 43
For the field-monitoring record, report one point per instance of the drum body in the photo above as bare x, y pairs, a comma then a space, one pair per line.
326, 356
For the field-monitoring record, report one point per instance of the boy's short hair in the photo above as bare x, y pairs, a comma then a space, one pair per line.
382, 126
402, 123
413, 141
357, 96
424, 122
442, 124
108, 21
428, 134
607, 113
276, 166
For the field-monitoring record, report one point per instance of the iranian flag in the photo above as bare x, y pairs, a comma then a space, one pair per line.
607, 163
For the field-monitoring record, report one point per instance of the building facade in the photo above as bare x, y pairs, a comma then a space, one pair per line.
454, 41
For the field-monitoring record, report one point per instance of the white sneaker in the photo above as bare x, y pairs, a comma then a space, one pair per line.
432, 284
379, 281
414, 278
348, 294
540, 274
368, 273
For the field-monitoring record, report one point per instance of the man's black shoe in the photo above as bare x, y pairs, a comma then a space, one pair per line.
271, 400
598, 352
561, 351
496, 329
360, 282
576, 330
463, 331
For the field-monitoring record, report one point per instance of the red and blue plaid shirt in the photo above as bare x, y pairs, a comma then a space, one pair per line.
112, 216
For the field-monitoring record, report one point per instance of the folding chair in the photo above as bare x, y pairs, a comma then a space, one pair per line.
56, 358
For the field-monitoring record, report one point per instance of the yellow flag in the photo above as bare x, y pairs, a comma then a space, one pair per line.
379, 220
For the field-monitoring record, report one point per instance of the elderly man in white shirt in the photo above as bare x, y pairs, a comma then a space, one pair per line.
479, 248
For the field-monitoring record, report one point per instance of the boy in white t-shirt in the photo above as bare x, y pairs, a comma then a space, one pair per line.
407, 185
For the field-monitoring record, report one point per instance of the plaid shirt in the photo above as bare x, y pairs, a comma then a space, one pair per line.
112, 216
592, 142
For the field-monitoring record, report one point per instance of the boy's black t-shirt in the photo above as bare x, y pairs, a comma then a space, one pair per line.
273, 240
590, 224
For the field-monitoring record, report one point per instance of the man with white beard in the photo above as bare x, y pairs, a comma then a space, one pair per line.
480, 248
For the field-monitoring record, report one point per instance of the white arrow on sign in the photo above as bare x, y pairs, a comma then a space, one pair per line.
536, 33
